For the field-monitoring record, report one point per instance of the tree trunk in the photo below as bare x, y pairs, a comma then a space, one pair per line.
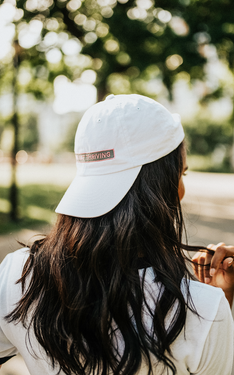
232, 148
14, 214
101, 92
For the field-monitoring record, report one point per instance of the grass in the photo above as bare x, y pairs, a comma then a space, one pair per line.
205, 163
36, 206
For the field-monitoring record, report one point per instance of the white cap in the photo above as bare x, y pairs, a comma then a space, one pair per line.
113, 140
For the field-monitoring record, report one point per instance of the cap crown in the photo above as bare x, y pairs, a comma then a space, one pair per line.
124, 132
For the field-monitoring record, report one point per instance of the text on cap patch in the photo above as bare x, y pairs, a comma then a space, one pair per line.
95, 156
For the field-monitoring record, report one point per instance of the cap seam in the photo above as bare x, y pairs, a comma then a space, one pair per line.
126, 140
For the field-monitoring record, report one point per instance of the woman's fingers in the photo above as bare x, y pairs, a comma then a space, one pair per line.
201, 266
228, 264
195, 262
216, 267
211, 246
221, 253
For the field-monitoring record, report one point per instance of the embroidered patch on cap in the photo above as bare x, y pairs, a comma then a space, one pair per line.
95, 156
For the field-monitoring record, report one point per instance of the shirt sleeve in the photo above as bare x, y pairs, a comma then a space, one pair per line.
217, 354
7, 349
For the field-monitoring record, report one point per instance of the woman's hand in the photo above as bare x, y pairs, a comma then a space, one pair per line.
216, 269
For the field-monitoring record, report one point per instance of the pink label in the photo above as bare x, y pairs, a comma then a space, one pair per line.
95, 156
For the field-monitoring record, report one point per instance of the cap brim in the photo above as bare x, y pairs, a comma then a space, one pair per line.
93, 196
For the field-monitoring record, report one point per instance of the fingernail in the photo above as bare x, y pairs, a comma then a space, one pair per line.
212, 271
230, 262
207, 280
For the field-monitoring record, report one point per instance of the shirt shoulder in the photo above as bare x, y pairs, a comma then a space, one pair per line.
15, 260
10, 272
205, 298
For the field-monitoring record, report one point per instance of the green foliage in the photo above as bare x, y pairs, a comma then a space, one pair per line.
210, 146
203, 137
37, 203
116, 37
206, 163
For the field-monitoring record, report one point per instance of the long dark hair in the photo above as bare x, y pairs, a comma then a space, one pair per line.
82, 293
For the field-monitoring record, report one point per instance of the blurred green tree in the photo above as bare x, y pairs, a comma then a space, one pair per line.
131, 45
125, 37
28, 137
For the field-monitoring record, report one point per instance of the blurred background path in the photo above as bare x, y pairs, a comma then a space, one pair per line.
208, 210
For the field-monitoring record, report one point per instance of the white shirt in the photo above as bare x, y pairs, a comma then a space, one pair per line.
204, 346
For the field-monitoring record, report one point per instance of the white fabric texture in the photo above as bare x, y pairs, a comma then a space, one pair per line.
204, 347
